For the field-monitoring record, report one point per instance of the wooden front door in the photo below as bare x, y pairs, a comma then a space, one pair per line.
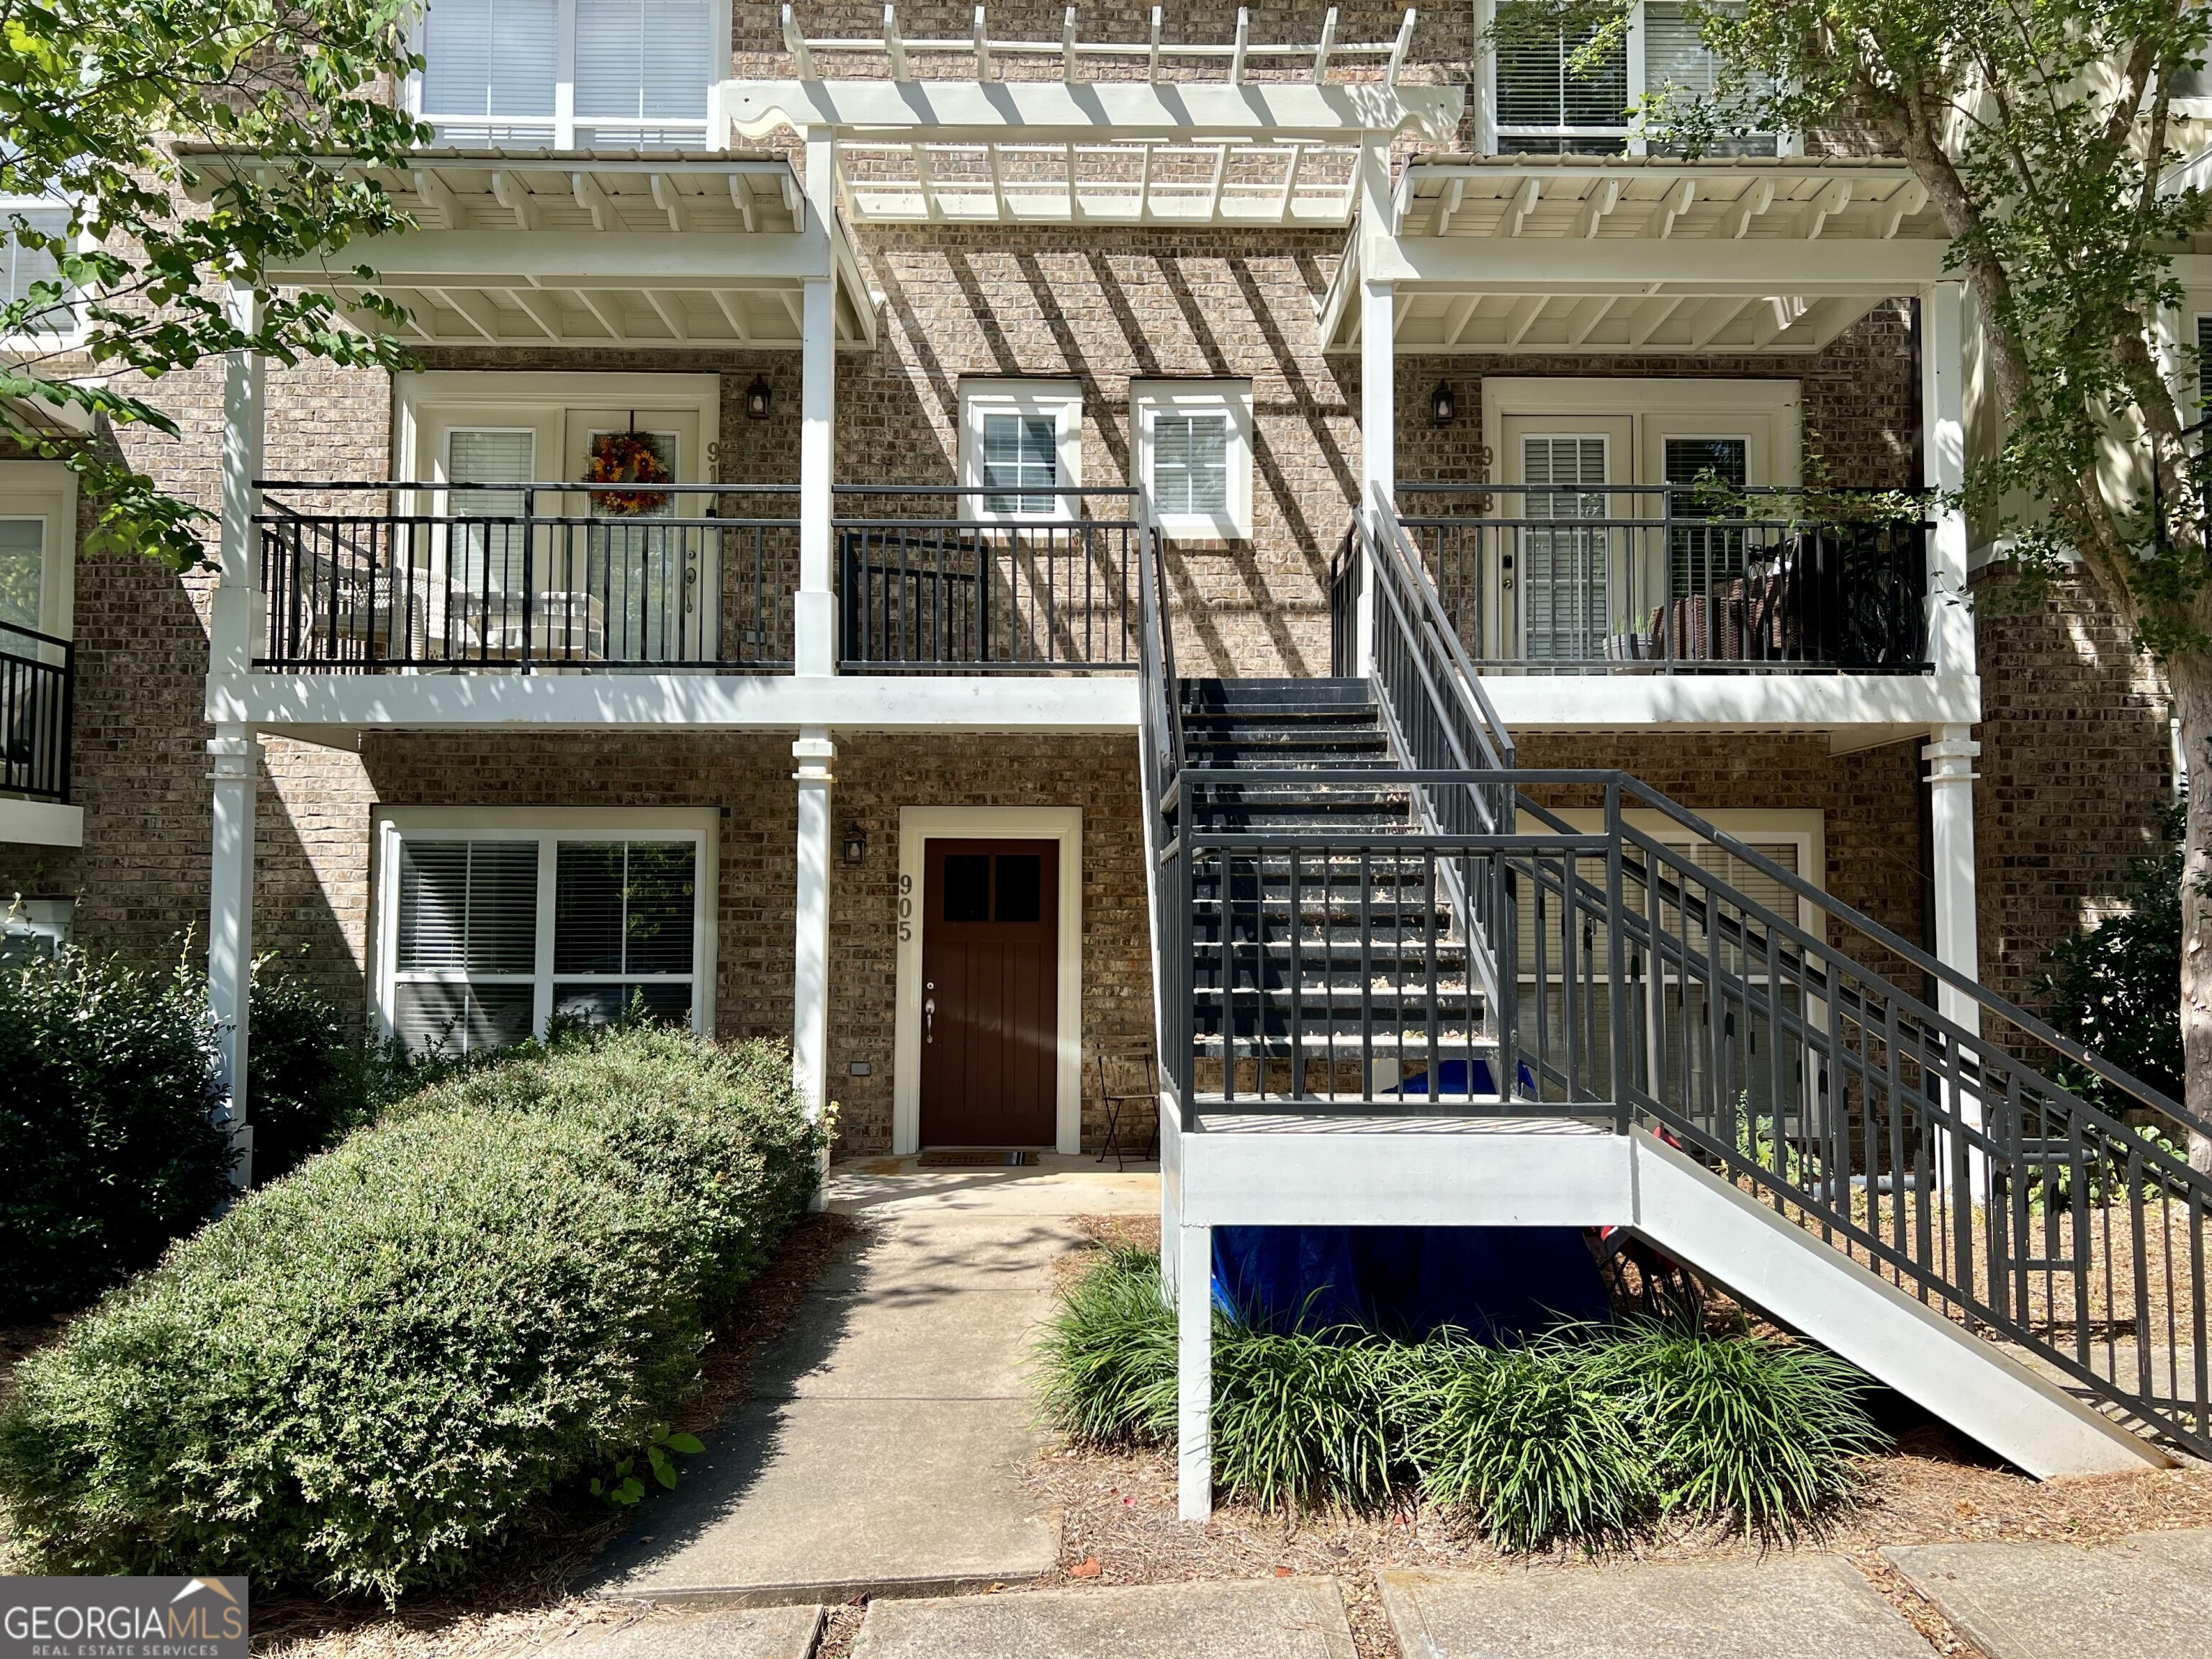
990, 969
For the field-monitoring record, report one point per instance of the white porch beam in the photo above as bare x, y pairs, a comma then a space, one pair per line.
1378, 388
1626, 266
473, 309
1752, 204
437, 196
1673, 205
1596, 208
503, 258
236, 612
1656, 314
1194, 1252
1456, 319
234, 753
509, 191
1320, 51
815, 754
733, 314
1242, 44
1943, 463
741, 197
895, 44
670, 201
1902, 205
1834, 198
1522, 204
670, 309
533, 305
1523, 318
595, 202
608, 316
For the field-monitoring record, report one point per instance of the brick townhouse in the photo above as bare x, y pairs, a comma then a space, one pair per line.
896, 341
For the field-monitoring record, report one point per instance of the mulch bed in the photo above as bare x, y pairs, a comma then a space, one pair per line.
1933, 1487
521, 1599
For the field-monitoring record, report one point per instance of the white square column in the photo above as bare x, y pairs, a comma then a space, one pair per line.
236, 755
814, 607
1194, 1251
815, 754
1378, 389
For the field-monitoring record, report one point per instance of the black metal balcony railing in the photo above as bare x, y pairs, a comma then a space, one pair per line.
366, 578
38, 693
937, 579
1602, 579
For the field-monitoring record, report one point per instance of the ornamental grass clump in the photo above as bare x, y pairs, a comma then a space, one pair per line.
1590, 1436
1765, 1436
366, 1373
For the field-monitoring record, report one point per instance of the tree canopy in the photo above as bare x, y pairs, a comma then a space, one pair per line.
133, 244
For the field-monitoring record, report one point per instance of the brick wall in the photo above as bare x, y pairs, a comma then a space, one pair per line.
2076, 760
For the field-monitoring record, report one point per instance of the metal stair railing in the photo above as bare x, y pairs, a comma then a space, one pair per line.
1968, 1152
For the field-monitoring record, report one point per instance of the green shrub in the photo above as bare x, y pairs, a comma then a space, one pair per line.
366, 1371
1522, 1440
107, 1131
1301, 1421
1766, 1435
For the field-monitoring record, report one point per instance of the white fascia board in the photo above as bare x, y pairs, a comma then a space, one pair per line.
1038, 111
1350, 1172
1105, 702
1777, 703
516, 258
1622, 265
40, 823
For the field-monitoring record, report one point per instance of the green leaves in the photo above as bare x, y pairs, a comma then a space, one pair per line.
145, 231
624, 1489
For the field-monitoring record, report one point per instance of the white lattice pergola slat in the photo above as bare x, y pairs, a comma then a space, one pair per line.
582, 248
1629, 254
986, 131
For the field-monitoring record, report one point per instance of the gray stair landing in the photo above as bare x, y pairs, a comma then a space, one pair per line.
882, 1449
2147, 1595
1269, 1619
1813, 1607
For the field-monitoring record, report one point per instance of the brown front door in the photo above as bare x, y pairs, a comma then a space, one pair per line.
990, 970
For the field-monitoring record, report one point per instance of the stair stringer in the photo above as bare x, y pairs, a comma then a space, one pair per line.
1723, 1231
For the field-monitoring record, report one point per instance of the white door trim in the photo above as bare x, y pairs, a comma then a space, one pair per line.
921, 824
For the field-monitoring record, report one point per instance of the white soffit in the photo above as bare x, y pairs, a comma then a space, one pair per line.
677, 250
979, 131
1542, 254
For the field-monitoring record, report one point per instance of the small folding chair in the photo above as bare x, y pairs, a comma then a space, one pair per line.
1129, 1078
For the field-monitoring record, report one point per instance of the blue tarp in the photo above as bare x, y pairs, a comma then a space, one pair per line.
1498, 1285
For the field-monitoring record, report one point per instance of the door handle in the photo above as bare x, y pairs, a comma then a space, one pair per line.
929, 1019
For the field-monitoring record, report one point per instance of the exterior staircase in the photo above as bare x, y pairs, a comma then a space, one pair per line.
1318, 959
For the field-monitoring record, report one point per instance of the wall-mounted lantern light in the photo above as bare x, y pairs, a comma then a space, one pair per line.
856, 844
758, 398
1443, 407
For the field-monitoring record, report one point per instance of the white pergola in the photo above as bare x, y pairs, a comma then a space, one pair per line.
678, 249
1626, 254
1144, 132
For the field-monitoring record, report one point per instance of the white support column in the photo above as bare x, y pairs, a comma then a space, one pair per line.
814, 613
1950, 756
1378, 380
235, 614
810, 991
1194, 1248
236, 754
1943, 459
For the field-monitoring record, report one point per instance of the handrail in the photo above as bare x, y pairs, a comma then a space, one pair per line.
38, 713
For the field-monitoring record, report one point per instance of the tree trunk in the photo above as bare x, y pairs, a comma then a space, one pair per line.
2191, 679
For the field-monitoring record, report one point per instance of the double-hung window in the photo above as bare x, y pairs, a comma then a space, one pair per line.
1555, 95
25, 265
493, 924
1021, 449
1193, 444
571, 74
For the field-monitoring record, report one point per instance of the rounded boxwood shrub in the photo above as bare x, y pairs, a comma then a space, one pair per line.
107, 1128
368, 1370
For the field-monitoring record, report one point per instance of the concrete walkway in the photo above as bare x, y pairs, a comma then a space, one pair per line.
2148, 1594
1267, 1619
881, 1449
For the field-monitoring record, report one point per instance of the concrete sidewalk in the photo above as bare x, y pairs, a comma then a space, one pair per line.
881, 1450
2144, 1596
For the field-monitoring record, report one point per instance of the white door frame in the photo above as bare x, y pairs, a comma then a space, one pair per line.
919, 825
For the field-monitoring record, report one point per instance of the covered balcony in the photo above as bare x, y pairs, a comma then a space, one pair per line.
38, 693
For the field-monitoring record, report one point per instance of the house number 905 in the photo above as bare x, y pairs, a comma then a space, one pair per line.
906, 909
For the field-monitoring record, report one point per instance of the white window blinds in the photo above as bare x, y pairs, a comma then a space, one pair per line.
490, 57
624, 928
22, 267
1542, 89
642, 60
1190, 464
467, 950
1565, 593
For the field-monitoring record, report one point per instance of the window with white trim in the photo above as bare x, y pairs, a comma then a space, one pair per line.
570, 73
1193, 443
494, 924
22, 268
1551, 100
1021, 448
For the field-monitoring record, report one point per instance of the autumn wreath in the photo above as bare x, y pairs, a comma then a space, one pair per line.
628, 458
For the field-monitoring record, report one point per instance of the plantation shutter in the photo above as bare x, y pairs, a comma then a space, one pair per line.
467, 950
22, 267
639, 60
490, 57
1563, 595
1190, 464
